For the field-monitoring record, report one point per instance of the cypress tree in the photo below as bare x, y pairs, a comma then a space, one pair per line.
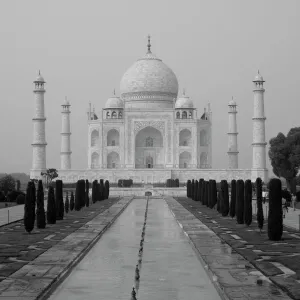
51, 209
203, 192
260, 213
275, 220
28, 208
87, 200
208, 193
33, 200
67, 204
199, 190
239, 204
72, 201
82, 196
59, 202
225, 198
248, 203
40, 211
107, 188
213, 193
233, 198
196, 190
78, 196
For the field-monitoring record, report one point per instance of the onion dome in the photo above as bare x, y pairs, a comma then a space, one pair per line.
258, 77
114, 102
149, 78
40, 78
184, 102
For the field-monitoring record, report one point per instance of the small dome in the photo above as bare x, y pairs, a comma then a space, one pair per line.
184, 102
258, 77
40, 78
114, 102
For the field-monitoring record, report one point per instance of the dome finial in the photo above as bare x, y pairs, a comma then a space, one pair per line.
183, 92
114, 92
39, 72
257, 71
149, 45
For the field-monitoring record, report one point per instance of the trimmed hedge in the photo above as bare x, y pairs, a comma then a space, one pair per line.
275, 220
239, 205
232, 198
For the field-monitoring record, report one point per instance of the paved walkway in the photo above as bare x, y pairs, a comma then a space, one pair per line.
169, 269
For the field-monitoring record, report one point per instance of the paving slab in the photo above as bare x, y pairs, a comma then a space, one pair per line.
230, 271
36, 278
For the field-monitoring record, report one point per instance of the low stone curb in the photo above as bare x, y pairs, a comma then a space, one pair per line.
38, 279
232, 275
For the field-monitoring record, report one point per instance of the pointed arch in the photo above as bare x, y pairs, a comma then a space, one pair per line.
113, 137
94, 138
185, 137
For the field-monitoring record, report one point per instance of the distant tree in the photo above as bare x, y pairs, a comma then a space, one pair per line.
275, 221
67, 204
40, 211
21, 199
95, 191
260, 213
248, 202
239, 204
192, 189
78, 194
232, 198
49, 175
284, 154
7, 183
196, 190
51, 209
18, 184
101, 190
72, 201
28, 209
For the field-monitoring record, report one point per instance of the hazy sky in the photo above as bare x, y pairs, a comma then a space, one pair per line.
84, 47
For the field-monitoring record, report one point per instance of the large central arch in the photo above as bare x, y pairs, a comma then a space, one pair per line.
149, 149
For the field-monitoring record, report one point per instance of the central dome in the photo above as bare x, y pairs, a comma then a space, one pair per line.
149, 79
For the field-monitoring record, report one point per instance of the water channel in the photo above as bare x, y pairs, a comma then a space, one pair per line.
170, 268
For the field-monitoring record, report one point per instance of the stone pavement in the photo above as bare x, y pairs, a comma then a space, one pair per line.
31, 264
278, 261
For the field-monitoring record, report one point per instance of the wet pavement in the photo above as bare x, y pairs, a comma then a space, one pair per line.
170, 268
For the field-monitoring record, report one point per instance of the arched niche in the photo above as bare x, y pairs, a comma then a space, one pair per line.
149, 150
113, 160
94, 138
178, 115
203, 137
95, 160
185, 137
113, 137
203, 160
184, 115
114, 115
185, 159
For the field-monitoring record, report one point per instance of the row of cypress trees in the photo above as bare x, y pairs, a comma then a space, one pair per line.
240, 205
100, 190
55, 204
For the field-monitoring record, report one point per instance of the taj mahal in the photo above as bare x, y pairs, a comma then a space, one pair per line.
150, 133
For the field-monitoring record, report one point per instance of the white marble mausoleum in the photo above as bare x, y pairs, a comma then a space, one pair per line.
149, 133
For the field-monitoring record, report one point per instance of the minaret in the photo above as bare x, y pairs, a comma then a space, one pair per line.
65, 151
232, 136
39, 136
259, 141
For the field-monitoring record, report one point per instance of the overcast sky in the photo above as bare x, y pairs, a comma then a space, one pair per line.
84, 47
